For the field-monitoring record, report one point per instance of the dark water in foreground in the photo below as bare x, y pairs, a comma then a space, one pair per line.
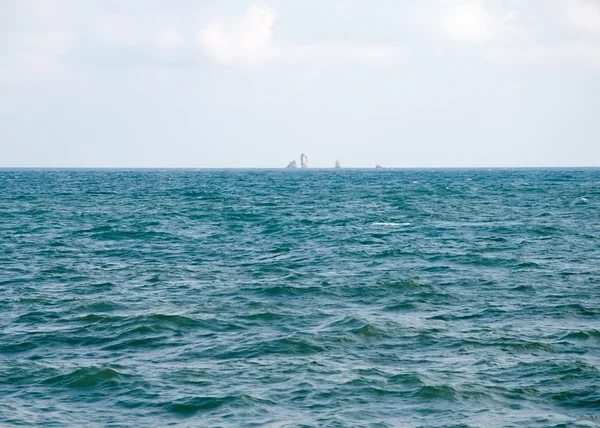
300, 298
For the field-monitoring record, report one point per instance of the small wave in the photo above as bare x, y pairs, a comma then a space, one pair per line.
282, 290
525, 288
347, 322
166, 322
582, 335
449, 316
98, 307
368, 331
390, 224
145, 343
197, 404
34, 317
15, 348
437, 392
87, 377
580, 201
528, 265
289, 346
576, 309
263, 316
402, 306
58, 270
579, 398
407, 379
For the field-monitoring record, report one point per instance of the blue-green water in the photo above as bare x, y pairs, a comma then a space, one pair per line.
300, 298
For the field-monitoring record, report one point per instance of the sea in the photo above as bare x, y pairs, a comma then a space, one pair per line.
300, 298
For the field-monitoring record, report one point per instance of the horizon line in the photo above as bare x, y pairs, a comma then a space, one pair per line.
292, 169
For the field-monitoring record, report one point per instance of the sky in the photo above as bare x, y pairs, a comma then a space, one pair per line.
212, 83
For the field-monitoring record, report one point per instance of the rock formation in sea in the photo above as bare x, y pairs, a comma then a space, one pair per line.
338, 164
292, 164
304, 160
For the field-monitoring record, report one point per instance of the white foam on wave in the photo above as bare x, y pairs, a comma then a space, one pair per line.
390, 224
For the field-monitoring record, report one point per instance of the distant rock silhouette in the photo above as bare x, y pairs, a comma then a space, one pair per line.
292, 164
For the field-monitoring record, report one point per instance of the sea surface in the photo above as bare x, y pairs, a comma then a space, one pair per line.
305, 298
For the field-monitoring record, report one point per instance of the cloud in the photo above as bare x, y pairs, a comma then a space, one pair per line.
119, 30
587, 54
244, 41
584, 15
512, 32
249, 41
479, 22
169, 38
36, 53
39, 14
34, 39
338, 53
468, 23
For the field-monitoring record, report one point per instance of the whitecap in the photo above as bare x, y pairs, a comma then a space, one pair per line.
390, 224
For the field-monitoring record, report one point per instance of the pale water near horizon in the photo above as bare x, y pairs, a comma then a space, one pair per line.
300, 298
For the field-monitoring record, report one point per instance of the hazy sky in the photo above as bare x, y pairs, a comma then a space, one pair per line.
215, 83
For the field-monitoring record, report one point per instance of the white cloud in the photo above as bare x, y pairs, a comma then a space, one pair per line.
468, 23
246, 41
478, 22
36, 53
367, 54
169, 38
584, 15
249, 41
512, 87
510, 34
42, 14
570, 53
119, 30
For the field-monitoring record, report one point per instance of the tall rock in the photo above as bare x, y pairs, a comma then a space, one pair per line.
304, 160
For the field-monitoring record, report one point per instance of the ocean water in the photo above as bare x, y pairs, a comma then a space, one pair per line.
392, 298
